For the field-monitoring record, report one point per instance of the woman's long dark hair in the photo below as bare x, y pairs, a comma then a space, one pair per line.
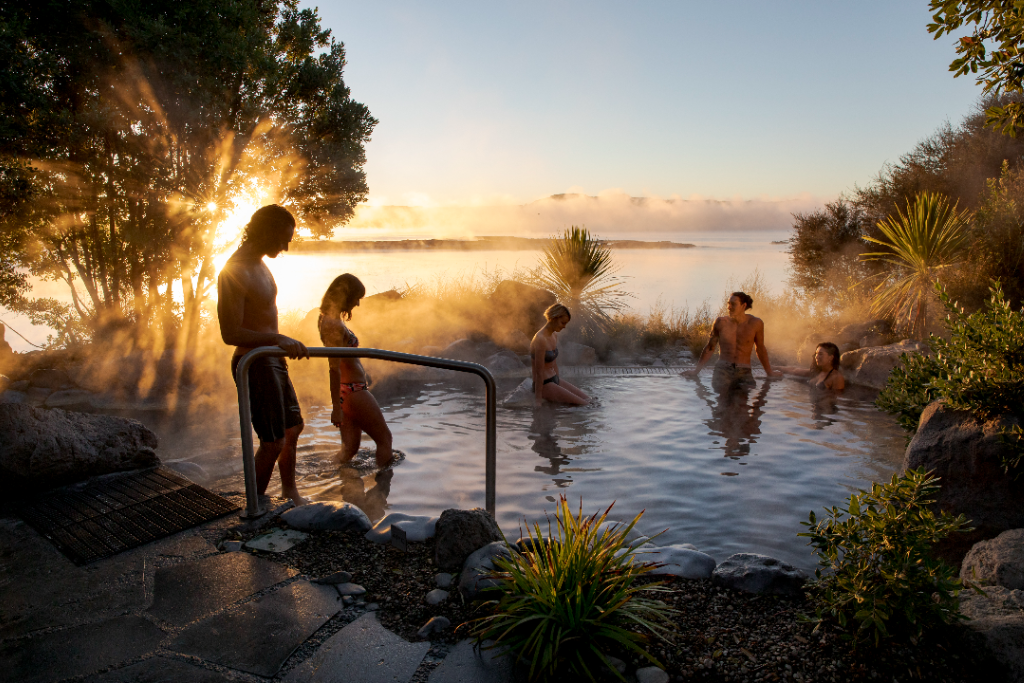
832, 350
341, 295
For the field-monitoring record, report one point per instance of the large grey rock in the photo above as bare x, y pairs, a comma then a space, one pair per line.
571, 353
52, 447
521, 396
363, 651
70, 399
49, 378
478, 567
965, 453
685, 563
433, 625
259, 636
998, 562
13, 396
470, 350
870, 366
417, 528
518, 307
460, 533
998, 617
759, 574
503, 362
327, 516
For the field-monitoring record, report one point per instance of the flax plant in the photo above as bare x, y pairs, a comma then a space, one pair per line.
573, 597
578, 269
929, 238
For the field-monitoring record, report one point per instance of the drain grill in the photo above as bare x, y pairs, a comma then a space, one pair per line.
109, 515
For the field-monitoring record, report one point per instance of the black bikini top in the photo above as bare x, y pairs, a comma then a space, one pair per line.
549, 356
821, 384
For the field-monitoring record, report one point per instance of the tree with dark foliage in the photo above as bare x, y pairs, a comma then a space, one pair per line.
127, 129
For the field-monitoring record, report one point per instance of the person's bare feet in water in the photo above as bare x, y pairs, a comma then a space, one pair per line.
293, 495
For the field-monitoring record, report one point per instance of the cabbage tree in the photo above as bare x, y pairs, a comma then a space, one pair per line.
920, 244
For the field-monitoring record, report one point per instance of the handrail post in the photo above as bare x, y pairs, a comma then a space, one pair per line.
252, 508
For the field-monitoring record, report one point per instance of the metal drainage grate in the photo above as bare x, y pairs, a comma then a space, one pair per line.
109, 515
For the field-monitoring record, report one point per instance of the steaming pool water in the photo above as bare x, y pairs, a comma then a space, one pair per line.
735, 473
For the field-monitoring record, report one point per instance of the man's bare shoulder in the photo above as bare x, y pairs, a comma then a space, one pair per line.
239, 267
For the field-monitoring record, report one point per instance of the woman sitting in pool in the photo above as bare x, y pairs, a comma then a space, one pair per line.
355, 409
544, 352
824, 372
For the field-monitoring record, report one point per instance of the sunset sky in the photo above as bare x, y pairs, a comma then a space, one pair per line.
494, 102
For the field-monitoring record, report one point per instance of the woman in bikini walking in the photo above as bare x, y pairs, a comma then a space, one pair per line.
355, 410
544, 352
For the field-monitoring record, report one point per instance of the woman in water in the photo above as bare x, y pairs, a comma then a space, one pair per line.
824, 372
355, 409
544, 352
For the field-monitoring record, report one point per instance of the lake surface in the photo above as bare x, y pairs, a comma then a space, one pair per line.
727, 474
676, 277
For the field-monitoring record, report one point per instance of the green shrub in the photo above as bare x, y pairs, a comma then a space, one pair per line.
879, 574
980, 368
564, 606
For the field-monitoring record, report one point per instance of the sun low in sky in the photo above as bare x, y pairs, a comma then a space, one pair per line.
510, 102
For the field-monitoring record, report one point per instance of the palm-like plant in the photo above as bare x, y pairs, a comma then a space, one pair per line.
928, 238
578, 269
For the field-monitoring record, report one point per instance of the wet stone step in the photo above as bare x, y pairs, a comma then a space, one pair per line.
260, 635
190, 590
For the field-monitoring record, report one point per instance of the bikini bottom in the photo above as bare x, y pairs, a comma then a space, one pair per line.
549, 380
350, 388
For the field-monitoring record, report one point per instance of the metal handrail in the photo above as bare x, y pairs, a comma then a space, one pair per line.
252, 506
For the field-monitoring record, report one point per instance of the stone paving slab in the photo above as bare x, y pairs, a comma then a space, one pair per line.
40, 588
161, 670
260, 635
363, 651
78, 651
464, 664
190, 590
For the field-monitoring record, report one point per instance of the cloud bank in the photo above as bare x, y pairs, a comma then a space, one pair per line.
611, 211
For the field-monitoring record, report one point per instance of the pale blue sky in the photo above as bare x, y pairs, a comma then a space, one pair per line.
483, 100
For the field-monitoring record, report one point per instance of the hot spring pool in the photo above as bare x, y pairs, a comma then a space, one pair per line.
728, 474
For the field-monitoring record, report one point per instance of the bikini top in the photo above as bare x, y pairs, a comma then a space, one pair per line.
549, 356
333, 332
821, 384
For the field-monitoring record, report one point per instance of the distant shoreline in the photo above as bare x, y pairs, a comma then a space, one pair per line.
501, 243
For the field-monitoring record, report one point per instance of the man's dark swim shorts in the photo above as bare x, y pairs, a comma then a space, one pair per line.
272, 399
728, 376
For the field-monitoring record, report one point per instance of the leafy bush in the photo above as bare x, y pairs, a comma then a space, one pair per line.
879, 571
979, 368
575, 597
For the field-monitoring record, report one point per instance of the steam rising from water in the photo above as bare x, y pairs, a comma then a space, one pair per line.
611, 210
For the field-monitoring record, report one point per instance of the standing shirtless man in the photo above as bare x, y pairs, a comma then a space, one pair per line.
738, 333
247, 311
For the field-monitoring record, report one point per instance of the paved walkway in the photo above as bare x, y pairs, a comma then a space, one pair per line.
180, 610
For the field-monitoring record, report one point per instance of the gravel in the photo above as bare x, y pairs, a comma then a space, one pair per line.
720, 634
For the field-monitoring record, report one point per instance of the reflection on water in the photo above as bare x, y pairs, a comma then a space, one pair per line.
653, 443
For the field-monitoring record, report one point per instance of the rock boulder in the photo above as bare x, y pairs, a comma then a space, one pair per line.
517, 306
478, 568
870, 366
998, 617
997, 562
327, 516
571, 353
965, 453
679, 561
759, 574
462, 532
45, 448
